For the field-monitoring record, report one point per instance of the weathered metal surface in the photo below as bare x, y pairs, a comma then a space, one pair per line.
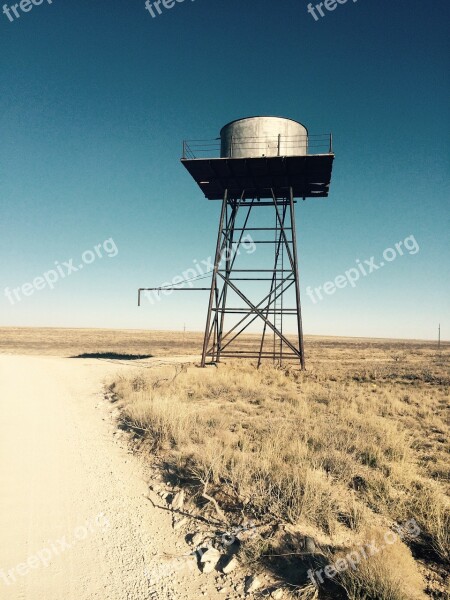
254, 137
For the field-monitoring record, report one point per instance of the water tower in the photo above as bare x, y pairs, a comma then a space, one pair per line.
258, 168
264, 165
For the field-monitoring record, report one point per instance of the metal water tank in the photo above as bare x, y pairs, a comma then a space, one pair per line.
255, 137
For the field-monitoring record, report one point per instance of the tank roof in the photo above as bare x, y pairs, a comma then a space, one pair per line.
262, 117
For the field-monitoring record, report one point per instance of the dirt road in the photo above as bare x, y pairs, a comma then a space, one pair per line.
74, 522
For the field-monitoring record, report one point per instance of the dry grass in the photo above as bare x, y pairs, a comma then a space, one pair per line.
389, 574
335, 454
74, 342
358, 442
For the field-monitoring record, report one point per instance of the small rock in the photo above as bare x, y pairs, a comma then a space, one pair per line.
223, 590
230, 566
210, 555
178, 501
310, 546
252, 584
277, 594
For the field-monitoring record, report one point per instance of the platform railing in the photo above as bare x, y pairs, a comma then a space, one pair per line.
313, 144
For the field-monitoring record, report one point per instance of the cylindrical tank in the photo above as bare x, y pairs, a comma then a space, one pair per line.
254, 137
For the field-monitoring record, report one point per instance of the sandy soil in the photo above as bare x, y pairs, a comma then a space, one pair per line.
74, 520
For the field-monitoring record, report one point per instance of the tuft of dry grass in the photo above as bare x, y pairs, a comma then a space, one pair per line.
339, 451
389, 575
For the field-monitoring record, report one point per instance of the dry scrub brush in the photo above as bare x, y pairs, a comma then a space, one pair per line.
334, 455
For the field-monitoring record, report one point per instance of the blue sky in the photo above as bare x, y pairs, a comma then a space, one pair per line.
96, 98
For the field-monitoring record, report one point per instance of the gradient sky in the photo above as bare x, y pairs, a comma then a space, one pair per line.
96, 97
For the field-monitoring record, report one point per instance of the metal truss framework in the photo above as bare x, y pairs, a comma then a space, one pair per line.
218, 343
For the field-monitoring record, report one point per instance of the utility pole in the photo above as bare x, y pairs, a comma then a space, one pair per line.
439, 337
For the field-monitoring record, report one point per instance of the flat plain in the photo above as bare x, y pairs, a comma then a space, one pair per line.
351, 454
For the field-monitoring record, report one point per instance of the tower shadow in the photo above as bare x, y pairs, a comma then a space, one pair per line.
113, 355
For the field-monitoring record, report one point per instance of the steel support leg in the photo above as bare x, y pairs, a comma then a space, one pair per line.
297, 281
214, 279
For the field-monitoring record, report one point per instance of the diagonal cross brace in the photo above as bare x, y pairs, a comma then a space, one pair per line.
250, 313
260, 314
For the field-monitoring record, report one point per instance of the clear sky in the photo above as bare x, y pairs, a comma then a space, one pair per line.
96, 97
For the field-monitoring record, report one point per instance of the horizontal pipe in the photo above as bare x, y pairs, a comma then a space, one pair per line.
271, 356
163, 289
259, 203
259, 228
266, 353
250, 313
261, 242
257, 271
253, 279
242, 311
